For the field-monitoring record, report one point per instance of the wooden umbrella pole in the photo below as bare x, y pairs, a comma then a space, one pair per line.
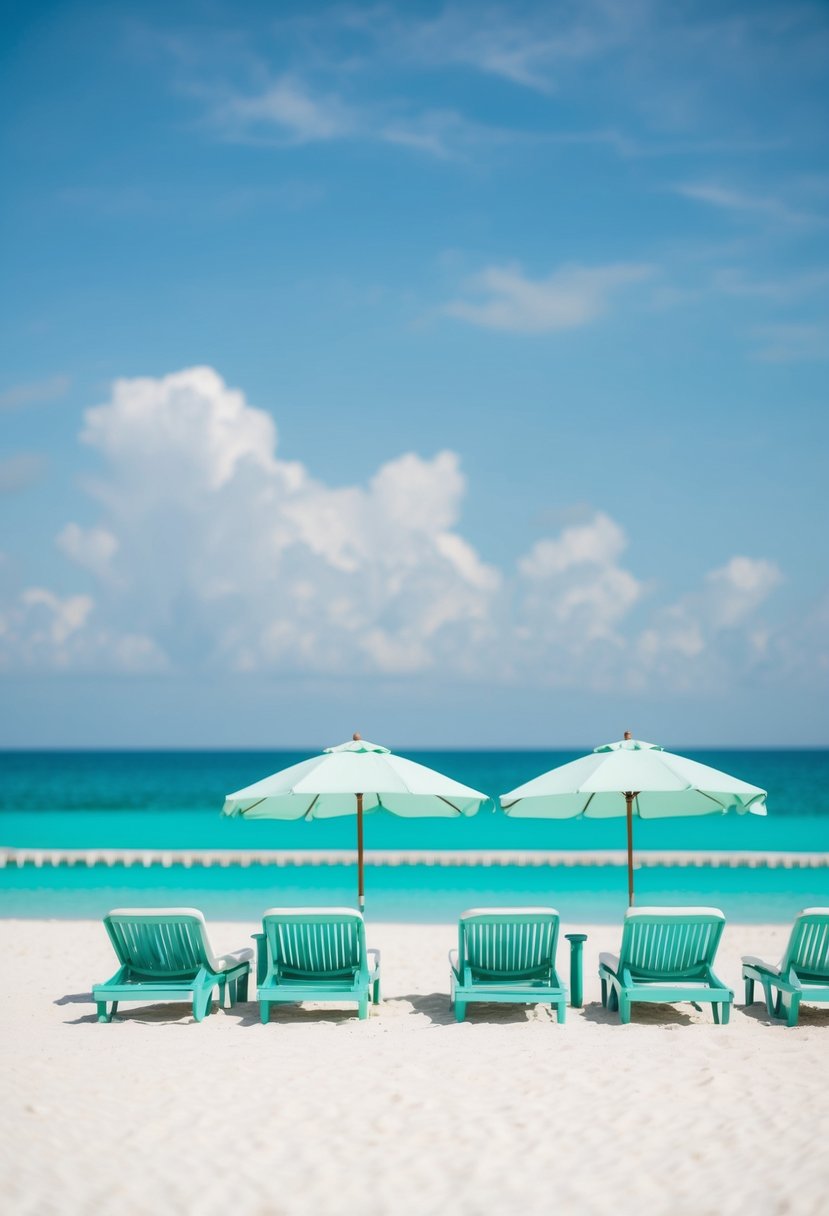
361, 898
629, 797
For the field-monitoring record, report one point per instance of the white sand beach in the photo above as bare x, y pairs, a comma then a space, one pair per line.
409, 1112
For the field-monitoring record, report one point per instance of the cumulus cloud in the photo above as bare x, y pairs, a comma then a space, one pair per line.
224, 553
211, 551
572, 596
90, 547
502, 297
704, 633
42, 630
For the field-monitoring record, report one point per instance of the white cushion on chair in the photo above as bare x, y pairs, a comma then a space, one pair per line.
233, 958
751, 960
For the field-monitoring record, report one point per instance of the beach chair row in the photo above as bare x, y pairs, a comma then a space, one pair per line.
503, 955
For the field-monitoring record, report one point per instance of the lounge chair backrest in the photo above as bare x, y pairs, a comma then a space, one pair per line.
808, 948
515, 943
324, 943
675, 942
159, 943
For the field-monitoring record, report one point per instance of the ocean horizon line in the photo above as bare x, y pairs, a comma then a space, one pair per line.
443, 748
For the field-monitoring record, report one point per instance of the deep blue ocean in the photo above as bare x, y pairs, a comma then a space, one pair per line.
171, 799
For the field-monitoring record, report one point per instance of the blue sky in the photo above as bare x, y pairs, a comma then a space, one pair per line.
456, 373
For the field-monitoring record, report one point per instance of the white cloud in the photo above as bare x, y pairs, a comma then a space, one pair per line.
702, 635
43, 630
289, 112
736, 589
572, 590
90, 547
212, 552
567, 299
225, 554
597, 543
742, 202
61, 617
525, 48
286, 108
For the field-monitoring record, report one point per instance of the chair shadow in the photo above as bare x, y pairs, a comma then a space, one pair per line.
435, 1006
809, 1016
164, 1013
246, 1013
642, 1013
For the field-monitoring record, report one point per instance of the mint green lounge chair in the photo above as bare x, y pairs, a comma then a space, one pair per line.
667, 954
165, 955
506, 955
803, 973
315, 954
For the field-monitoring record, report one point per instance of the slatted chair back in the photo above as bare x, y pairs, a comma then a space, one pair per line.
165, 943
508, 943
808, 948
315, 943
670, 943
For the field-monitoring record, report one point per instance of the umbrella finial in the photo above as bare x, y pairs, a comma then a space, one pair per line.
628, 735
356, 736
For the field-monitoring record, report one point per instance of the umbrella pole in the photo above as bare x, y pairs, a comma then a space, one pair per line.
629, 800
361, 897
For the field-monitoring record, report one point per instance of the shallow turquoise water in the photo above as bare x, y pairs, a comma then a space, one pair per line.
172, 800
410, 893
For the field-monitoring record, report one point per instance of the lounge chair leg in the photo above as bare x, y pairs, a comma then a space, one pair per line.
790, 1006
561, 1012
202, 1001
242, 987
223, 991
376, 992
624, 1009
103, 1016
460, 1010
362, 1009
604, 992
715, 1009
771, 1003
749, 992
725, 1009
612, 999
265, 1012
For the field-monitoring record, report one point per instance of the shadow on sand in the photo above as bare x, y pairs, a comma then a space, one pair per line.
642, 1014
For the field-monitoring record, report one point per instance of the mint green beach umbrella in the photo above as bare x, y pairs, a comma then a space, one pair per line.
632, 778
355, 778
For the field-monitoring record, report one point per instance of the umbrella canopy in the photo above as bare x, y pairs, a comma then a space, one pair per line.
630, 778
355, 778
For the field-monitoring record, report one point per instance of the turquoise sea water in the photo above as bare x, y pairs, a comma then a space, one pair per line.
172, 800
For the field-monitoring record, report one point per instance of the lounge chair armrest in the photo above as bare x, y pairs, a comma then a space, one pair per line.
751, 960
715, 981
611, 961
234, 957
261, 956
453, 962
375, 954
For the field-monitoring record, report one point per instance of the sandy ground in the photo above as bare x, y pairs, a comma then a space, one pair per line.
409, 1112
